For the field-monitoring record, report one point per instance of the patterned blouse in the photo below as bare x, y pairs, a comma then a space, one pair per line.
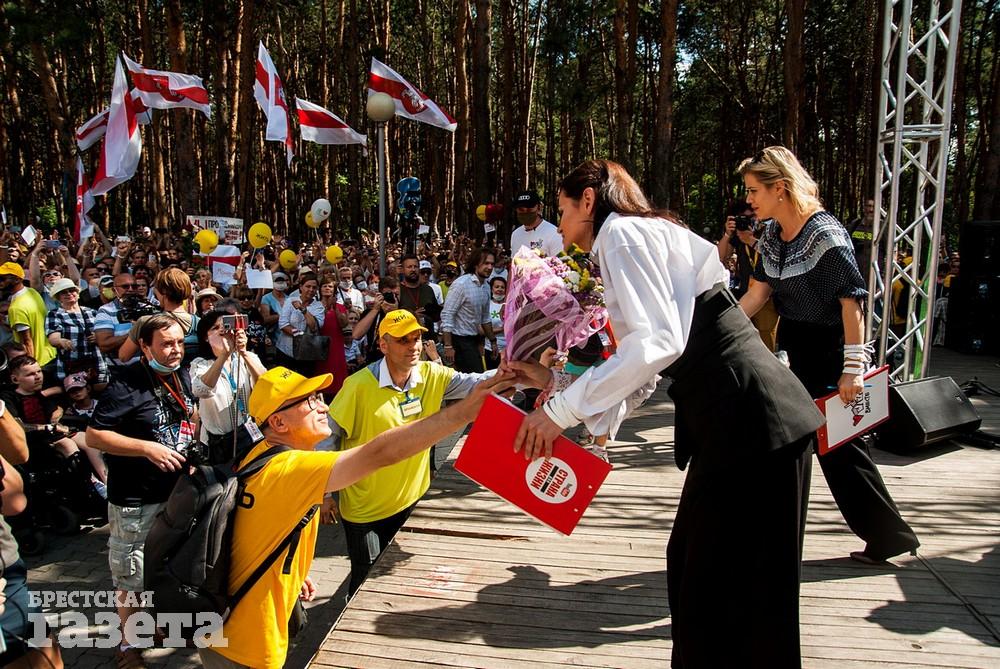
811, 273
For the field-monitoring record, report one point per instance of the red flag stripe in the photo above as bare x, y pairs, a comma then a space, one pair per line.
318, 119
390, 86
97, 127
160, 85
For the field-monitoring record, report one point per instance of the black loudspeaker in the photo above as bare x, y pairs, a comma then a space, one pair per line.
926, 411
974, 303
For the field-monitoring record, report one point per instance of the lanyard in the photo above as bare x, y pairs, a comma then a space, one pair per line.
237, 396
175, 393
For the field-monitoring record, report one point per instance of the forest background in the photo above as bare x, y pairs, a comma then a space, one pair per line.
678, 92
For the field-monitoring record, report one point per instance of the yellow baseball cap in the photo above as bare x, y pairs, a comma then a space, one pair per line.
279, 385
12, 268
399, 323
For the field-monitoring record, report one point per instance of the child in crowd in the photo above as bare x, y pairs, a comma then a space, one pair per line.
78, 390
39, 416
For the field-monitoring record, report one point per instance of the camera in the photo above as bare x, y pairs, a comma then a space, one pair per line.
389, 297
745, 223
233, 322
133, 307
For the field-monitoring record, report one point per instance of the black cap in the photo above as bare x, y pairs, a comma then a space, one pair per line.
528, 198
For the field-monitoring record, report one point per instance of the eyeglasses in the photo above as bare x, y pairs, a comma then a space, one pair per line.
48, 274
126, 286
314, 401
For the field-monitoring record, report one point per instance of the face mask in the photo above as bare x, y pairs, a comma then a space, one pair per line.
527, 219
346, 285
498, 297
280, 285
156, 366
108, 293
361, 285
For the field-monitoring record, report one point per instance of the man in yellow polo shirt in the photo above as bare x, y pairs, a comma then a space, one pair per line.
26, 314
289, 410
396, 390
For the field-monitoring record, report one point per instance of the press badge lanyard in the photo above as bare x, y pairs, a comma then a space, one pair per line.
185, 434
410, 406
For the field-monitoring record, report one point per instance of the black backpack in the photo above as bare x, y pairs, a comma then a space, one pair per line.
188, 548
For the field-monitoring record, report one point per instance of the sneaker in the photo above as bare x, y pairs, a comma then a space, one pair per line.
599, 451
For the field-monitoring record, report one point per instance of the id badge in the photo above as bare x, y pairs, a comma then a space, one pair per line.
185, 435
255, 434
410, 407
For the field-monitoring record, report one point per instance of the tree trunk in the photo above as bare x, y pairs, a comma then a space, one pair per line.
157, 195
663, 130
794, 72
185, 177
987, 205
460, 189
625, 29
482, 169
245, 121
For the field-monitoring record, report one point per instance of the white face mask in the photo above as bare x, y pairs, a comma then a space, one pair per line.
361, 285
281, 285
346, 285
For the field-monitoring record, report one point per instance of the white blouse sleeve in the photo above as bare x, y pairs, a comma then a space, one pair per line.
198, 368
652, 276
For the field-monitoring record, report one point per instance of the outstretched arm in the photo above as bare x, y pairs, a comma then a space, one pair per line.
404, 441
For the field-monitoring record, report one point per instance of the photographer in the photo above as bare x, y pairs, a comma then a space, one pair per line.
113, 322
223, 375
172, 289
742, 230
368, 326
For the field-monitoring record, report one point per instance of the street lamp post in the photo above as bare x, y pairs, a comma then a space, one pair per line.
381, 108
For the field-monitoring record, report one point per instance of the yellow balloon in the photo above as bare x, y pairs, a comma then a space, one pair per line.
310, 221
259, 235
334, 254
207, 241
288, 259
481, 212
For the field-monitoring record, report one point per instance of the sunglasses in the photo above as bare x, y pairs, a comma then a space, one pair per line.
126, 286
48, 274
314, 401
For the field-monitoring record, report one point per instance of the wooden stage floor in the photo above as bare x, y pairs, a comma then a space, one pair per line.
471, 582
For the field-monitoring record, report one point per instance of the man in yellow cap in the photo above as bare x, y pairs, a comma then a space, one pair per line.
289, 411
26, 314
397, 390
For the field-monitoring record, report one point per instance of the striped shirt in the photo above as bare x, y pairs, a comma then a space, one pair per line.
467, 306
77, 326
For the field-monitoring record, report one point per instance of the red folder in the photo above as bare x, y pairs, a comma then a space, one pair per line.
556, 492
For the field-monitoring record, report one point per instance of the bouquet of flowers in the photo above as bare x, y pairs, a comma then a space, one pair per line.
551, 299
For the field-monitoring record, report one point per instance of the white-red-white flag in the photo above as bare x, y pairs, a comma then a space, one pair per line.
93, 129
83, 226
322, 126
410, 102
122, 145
270, 95
159, 89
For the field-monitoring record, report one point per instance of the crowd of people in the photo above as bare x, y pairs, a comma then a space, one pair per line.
159, 358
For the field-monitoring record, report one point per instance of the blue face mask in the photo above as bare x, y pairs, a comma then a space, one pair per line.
159, 368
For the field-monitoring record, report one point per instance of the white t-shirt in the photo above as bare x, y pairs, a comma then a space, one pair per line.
545, 237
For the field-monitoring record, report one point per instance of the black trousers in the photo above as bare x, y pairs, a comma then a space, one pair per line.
467, 357
815, 354
734, 562
367, 541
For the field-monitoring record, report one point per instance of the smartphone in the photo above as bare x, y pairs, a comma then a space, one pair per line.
53, 243
234, 322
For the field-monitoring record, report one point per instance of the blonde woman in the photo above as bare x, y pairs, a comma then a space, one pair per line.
807, 267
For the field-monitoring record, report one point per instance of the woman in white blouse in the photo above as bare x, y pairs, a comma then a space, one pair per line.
742, 421
221, 380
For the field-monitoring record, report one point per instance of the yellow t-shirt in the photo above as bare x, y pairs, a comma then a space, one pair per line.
28, 308
292, 482
364, 410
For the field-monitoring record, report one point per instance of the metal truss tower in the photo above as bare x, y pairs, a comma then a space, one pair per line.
918, 73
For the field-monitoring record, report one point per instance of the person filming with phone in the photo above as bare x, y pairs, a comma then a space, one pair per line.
223, 376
